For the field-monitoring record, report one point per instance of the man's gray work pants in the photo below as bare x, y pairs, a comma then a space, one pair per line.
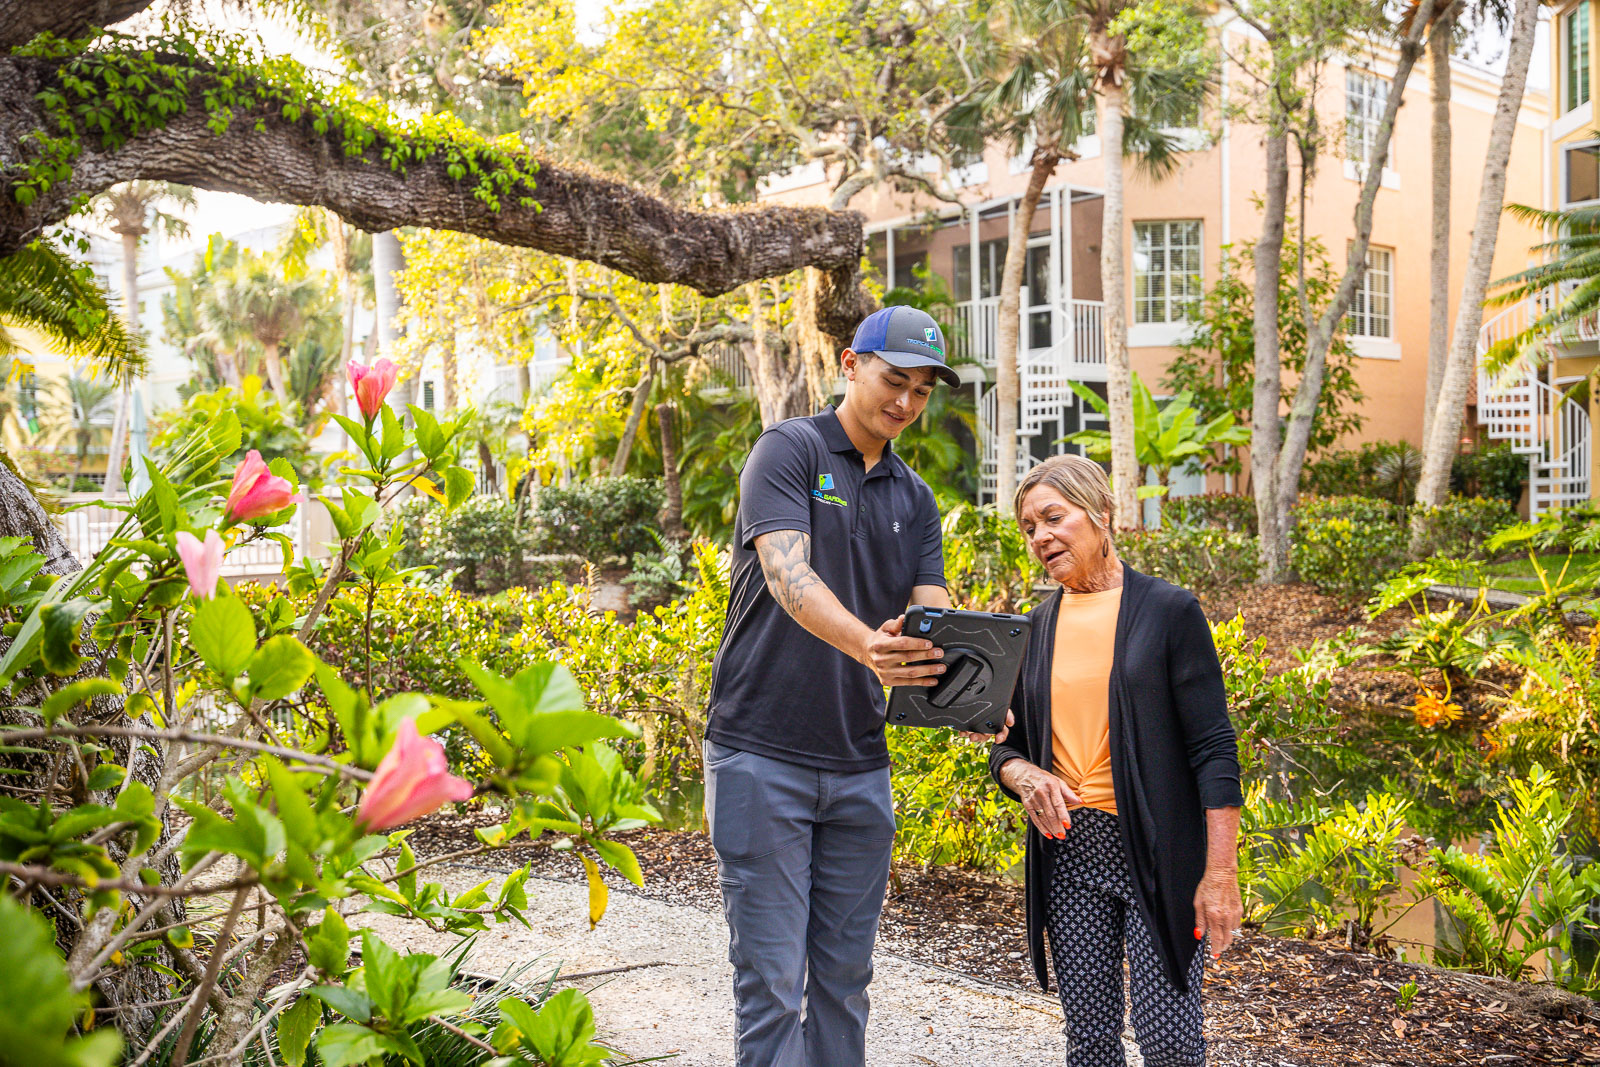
803, 857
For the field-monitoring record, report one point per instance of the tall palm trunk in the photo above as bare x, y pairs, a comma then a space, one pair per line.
1268, 393
130, 312
272, 356
1440, 449
1439, 262
447, 372
1125, 474
1008, 334
672, 484
338, 395
641, 396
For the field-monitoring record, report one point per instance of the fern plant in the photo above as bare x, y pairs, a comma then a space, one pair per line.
1523, 896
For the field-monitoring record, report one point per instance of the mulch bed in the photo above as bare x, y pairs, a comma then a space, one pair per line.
1270, 1001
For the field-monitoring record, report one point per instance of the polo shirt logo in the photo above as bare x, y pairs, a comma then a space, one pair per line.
824, 482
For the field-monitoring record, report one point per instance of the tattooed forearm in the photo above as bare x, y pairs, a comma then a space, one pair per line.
786, 562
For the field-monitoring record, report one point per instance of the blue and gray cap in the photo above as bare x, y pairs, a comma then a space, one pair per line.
905, 337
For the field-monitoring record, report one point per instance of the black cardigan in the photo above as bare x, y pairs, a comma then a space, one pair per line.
1174, 753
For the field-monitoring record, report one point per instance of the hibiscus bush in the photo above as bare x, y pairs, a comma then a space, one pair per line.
198, 808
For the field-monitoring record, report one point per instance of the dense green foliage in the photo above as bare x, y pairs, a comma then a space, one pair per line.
1346, 545
599, 519
1195, 557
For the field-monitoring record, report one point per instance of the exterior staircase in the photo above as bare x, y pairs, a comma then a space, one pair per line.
1531, 413
1077, 354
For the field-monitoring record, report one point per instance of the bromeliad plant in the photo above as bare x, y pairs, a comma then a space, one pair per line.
181, 917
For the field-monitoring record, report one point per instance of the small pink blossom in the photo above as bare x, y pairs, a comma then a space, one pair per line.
202, 562
256, 491
412, 780
372, 384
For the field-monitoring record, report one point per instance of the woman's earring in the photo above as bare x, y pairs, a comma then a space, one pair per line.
1105, 548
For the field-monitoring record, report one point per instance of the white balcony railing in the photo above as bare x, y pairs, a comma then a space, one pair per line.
88, 529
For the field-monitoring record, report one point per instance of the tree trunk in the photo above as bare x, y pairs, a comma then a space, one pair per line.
672, 484
272, 356
1439, 254
447, 371
780, 389
124, 409
1268, 393
1441, 445
641, 397
1319, 334
388, 259
486, 464
1008, 333
339, 393
1125, 474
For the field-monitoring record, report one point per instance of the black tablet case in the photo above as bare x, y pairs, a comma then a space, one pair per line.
982, 655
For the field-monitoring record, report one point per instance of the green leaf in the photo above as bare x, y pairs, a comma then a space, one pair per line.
72, 694
106, 776
621, 857
224, 635
40, 1006
295, 1027
328, 945
430, 439
394, 435
61, 627
351, 1003
279, 667
345, 1044
458, 486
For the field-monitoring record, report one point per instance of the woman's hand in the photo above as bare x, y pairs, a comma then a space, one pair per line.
980, 738
1045, 797
1217, 907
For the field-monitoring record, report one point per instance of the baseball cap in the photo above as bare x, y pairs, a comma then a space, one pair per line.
905, 337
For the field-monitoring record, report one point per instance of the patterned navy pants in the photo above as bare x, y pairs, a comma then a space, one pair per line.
1093, 923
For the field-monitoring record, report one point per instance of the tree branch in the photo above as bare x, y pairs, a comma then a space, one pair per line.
265, 155
23, 20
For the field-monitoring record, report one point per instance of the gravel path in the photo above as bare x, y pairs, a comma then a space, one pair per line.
920, 1015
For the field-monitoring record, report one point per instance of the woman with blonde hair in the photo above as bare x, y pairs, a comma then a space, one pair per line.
1126, 762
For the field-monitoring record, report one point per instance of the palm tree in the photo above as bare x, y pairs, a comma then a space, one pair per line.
132, 210
1144, 92
1037, 96
1440, 448
44, 290
75, 414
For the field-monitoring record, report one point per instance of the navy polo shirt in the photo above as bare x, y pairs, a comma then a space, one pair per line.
776, 689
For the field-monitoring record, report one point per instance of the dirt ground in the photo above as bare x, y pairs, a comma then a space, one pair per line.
1268, 1001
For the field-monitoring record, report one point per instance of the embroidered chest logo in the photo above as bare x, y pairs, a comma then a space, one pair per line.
897, 526
824, 492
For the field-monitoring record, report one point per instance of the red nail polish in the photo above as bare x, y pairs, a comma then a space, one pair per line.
1197, 933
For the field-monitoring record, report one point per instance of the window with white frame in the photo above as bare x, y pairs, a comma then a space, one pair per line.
1366, 96
1575, 57
1166, 270
1580, 179
1372, 310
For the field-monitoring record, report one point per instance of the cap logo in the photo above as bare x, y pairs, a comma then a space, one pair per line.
931, 339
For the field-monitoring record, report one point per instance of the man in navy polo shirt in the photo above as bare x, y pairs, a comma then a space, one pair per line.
835, 537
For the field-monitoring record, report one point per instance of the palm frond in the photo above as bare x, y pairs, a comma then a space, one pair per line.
43, 289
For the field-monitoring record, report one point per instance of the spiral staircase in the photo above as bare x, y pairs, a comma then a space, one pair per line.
1522, 407
1076, 354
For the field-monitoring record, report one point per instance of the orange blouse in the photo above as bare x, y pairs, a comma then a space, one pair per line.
1080, 695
